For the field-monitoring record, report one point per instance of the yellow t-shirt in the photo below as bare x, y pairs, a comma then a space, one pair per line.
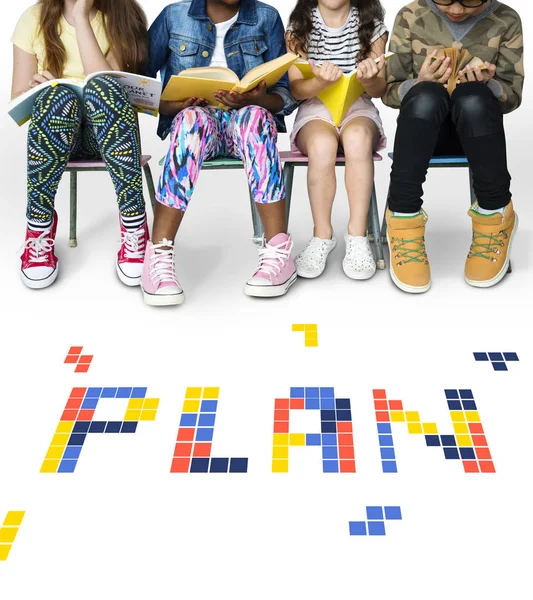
27, 37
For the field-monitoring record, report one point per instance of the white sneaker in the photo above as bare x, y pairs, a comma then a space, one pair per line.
358, 261
311, 262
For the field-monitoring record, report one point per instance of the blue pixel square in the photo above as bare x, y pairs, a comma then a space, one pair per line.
311, 392
199, 465
209, 406
207, 420
108, 393
448, 440
376, 528
481, 356
72, 452
97, 426
219, 465
327, 415
90, 403
385, 440
67, 466
466, 394
357, 528
312, 403
93, 392
139, 392
76, 439
342, 403
511, 356
330, 452
432, 440
374, 513
393, 513
451, 453
389, 466
330, 466
467, 453
327, 403
384, 428
327, 392
129, 427
188, 419
124, 392
204, 434
238, 465
297, 392
451, 394
495, 356
344, 415
328, 427
113, 426
387, 453
312, 439
329, 439
455, 405
469, 405
81, 427
499, 366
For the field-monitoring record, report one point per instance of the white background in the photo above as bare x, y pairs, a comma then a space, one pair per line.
123, 526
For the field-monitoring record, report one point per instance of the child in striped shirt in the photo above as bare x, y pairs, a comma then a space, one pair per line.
337, 37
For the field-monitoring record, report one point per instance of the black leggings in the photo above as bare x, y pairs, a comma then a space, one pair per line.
470, 124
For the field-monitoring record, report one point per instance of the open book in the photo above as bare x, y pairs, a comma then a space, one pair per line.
459, 60
340, 96
144, 93
204, 82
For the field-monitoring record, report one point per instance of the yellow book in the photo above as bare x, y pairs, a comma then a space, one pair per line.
204, 82
459, 60
339, 96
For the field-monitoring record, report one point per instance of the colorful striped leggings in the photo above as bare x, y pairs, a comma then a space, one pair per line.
200, 134
105, 128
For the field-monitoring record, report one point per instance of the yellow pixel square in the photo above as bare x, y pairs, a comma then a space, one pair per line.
280, 466
191, 406
148, 415
464, 440
311, 343
55, 452
60, 439
472, 416
132, 415
135, 404
280, 452
457, 416
4, 551
151, 403
14, 518
297, 439
430, 428
414, 427
193, 393
281, 439
412, 416
50, 466
8, 534
211, 393
298, 327
311, 327
397, 416
460, 428
65, 427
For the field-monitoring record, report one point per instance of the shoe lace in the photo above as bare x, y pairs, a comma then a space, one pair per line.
484, 244
410, 250
39, 247
272, 259
134, 243
162, 268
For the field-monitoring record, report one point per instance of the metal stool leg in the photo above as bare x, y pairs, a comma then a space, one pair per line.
150, 184
288, 179
380, 260
73, 242
256, 221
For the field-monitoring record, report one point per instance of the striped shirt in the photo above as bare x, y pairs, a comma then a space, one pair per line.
338, 45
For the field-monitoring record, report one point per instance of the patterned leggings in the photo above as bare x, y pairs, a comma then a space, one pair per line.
200, 134
59, 130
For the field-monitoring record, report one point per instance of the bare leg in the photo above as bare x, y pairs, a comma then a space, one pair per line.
273, 216
167, 221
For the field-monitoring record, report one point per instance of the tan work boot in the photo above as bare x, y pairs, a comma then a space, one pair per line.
409, 265
490, 252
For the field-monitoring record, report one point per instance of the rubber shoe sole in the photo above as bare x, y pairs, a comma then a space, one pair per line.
357, 275
503, 272
129, 281
40, 284
163, 299
270, 291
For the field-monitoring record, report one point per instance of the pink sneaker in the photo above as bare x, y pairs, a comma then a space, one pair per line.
130, 257
276, 271
40, 265
159, 284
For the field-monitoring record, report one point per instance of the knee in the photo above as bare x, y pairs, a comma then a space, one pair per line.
257, 121
104, 84
358, 142
473, 102
193, 119
428, 101
56, 98
322, 152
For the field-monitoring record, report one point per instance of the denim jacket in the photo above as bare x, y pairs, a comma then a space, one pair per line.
183, 37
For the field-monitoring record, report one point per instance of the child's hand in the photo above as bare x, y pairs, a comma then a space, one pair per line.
369, 69
82, 10
327, 74
171, 109
476, 74
235, 100
40, 78
435, 69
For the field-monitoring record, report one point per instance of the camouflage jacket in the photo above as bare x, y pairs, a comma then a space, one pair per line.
497, 38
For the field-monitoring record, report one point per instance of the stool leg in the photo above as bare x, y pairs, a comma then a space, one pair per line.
288, 179
256, 221
380, 260
73, 242
472, 193
384, 222
150, 184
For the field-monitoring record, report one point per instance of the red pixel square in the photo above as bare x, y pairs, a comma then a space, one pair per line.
382, 416
479, 440
86, 415
487, 466
470, 466
281, 427
182, 450
186, 434
74, 403
282, 403
180, 465
483, 454
475, 427
69, 415
346, 452
380, 394
297, 403
78, 392
396, 404
345, 439
281, 415
71, 359
86, 359
347, 466
202, 449
381, 405
75, 350
344, 426
82, 369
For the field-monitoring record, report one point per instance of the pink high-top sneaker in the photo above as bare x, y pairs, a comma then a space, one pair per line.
276, 271
40, 265
130, 257
159, 284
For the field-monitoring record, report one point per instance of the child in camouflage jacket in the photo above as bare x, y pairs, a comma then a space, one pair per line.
468, 122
